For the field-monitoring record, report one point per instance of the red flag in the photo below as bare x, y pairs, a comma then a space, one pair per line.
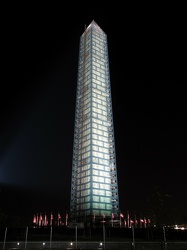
59, 217
40, 220
34, 219
112, 216
51, 219
121, 215
66, 216
45, 220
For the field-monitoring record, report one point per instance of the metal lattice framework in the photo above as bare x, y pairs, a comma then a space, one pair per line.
94, 186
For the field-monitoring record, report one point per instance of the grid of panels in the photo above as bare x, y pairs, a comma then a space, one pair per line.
94, 187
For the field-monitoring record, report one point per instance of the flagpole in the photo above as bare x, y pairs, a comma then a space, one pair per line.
26, 237
76, 236
133, 237
5, 238
51, 236
103, 235
164, 232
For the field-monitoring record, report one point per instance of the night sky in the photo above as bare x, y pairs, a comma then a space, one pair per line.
147, 55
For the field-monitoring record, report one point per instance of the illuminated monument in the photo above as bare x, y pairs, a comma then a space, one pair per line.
94, 185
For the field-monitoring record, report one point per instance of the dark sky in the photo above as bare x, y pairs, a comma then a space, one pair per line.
147, 53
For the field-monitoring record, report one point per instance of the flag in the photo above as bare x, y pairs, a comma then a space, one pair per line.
128, 219
66, 219
145, 222
59, 217
135, 220
125, 223
131, 223
40, 220
121, 215
51, 219
45, 220
34, 219
37, 219
112, 216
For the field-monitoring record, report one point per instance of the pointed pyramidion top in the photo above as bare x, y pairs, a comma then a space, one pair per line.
93, 25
